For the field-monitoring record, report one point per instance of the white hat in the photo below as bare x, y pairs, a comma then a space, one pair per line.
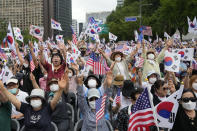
12, 80
36, 93
93, 92
152, 72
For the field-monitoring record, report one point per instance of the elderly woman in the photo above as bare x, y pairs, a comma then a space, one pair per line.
151, 60
159, 90
186, 118
118, 63
87, 105
37, 113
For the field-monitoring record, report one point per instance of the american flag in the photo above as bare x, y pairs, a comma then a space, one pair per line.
141, 117
139, 62
32, 66
2, 54
94, 61
100, 107
118, 96
74, 36
121, 47
194, 64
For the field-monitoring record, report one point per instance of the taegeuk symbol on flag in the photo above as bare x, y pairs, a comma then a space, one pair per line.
55, 25
36, 31
172, 61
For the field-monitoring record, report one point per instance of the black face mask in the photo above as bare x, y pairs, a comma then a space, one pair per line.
83, 53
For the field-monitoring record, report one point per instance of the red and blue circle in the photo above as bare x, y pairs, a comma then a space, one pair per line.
182, 53
164, 109
10, 39
37, 31
168, 61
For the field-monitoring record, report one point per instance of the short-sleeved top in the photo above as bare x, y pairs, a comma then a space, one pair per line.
5, 116
37, 120
54, 74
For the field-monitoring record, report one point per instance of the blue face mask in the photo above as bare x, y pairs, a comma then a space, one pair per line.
13, 91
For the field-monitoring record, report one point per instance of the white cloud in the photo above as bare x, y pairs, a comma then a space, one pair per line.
81, 7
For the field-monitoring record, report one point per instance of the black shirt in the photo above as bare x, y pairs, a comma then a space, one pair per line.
183, 122
27, 84
61, 110
36, 120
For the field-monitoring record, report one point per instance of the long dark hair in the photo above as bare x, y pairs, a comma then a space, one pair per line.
188, 90
157, 85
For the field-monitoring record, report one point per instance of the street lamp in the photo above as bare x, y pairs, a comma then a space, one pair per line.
141, 5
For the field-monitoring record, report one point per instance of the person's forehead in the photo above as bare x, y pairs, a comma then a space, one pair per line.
187, 94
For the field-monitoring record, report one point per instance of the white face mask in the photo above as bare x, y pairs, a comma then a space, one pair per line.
92, 83
189, 105
45, 76
194, 85
92, 104
54, 87
118, 59
152, 80
169, 93
25, 65
35, 103
151, 56
70, 74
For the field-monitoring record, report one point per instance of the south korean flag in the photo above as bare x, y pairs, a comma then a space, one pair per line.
172, 61
186, 54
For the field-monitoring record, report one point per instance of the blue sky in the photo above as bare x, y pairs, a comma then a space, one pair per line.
81, 7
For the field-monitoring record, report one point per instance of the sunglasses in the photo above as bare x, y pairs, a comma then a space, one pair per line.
189, 99
93, 99
165, 88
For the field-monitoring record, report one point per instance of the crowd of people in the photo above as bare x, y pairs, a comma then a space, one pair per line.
41, 89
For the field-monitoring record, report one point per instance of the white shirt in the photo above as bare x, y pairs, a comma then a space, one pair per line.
121, 69
21, 97
124, 102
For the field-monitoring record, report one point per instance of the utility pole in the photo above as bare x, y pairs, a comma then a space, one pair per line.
141, 5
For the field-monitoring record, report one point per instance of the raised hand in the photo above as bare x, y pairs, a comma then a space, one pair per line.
109, 78
31, 45
62, 82
80, 80
32, 77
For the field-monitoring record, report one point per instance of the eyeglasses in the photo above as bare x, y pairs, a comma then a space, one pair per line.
189, 99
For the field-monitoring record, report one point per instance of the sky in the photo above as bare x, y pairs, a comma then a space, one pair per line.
81, 7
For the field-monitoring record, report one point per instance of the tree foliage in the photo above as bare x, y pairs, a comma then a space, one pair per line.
163, 15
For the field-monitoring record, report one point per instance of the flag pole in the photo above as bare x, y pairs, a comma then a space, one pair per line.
153, 108
96, 126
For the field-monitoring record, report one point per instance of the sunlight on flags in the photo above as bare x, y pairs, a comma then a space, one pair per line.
100, 107
55, 25
141, 116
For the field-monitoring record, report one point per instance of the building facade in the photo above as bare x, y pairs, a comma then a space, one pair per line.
74, 26
80, 28
98, 15
23, 13
120, 3
63, 14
